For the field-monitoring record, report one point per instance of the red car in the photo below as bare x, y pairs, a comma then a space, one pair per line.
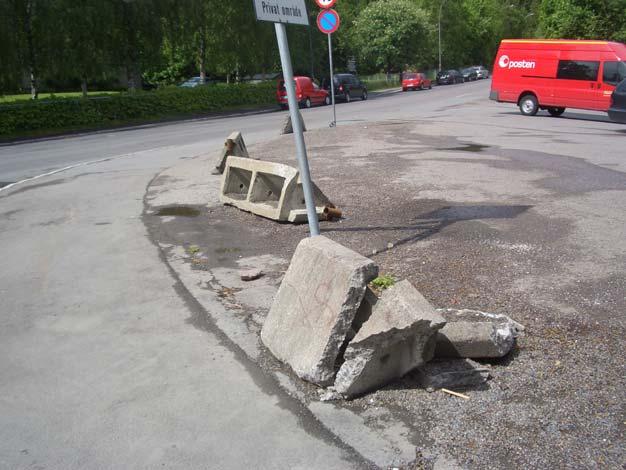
557, 74
308, 93
415, 81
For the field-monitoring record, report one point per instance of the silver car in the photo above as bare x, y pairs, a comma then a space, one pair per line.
481, 72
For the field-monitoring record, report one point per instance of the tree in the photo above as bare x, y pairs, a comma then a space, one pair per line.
583, 19
392, 34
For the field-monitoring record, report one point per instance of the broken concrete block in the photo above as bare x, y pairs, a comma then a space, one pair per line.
250, 274
469, 315
474, 340
233, 147
398, 336
315, 307
455, 373
268, 189
287, 127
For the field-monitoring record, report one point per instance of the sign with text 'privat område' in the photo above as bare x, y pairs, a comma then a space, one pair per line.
281, 11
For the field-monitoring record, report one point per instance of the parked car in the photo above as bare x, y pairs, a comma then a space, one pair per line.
617, 111
469, 74
415, 81
449, 77
481, 72
347, 87
308, 93
557, 74
194, 82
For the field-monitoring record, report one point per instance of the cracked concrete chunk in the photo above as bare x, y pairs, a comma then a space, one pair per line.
474, 316
315, 307
233, 147
250, 274
398, 337
453, 373
288, 126
474, 340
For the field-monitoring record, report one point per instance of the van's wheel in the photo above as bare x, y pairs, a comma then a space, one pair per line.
307, 103
327, 100
528, 105
364, 95
348, 98
430, 86
556, 112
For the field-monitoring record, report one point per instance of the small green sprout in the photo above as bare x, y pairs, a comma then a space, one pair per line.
384, 281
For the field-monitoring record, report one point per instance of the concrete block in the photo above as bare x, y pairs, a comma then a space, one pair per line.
287, 127
476, 316
233, 147
455, 373
398, 336
474, 340
268, 189
315, 307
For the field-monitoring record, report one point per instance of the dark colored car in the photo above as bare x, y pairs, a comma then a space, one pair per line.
449, 77
617, 111
469, 74
347, 87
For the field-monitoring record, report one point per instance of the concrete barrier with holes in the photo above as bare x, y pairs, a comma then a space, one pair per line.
268, 189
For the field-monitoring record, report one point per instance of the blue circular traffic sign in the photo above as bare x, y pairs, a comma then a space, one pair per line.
328, 21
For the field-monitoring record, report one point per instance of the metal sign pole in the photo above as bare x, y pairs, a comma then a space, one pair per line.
303, 163
332, 80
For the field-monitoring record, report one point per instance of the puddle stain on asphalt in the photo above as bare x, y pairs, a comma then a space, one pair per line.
178, 211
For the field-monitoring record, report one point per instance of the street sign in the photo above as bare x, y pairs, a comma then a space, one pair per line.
282, 11
325, 3
328, 21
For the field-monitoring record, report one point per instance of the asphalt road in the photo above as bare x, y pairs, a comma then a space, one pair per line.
101, 365
25, 160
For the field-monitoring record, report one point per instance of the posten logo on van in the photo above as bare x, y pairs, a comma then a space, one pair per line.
507, 63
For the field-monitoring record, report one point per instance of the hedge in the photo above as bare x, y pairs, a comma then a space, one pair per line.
72, 113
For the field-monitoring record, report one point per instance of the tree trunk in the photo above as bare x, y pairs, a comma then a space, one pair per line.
201, 61
83, 85
32, 69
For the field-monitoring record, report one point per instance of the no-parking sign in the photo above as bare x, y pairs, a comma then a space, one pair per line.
328, 21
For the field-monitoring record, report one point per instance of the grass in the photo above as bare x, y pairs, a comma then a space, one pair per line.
42, 96
384, 281
374, 85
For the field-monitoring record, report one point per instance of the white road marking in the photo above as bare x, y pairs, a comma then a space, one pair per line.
76, 165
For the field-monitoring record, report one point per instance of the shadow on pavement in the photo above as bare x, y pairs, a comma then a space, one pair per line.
433, 222
569, 116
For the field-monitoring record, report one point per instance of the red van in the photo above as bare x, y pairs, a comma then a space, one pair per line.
557, 74
415, 81
308, 93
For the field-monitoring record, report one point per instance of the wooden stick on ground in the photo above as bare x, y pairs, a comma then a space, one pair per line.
456, 394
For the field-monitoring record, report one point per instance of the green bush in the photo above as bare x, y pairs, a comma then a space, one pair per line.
71, 113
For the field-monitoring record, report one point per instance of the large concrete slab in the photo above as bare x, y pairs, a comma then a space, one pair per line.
398, 337
315, 307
